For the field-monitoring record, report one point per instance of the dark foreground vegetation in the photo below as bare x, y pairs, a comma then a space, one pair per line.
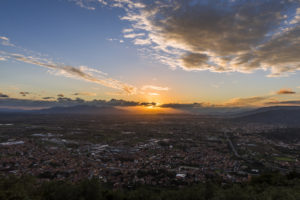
271, 186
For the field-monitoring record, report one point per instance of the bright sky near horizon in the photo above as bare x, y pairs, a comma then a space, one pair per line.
221, 52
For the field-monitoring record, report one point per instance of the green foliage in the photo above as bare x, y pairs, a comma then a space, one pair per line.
271, 186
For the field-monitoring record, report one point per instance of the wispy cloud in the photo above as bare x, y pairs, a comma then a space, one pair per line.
286, 91
127, 30
153, 94
271, 99
115, 40
134, 35
5, 41
83, 72
4, 38
153, 87
85, 4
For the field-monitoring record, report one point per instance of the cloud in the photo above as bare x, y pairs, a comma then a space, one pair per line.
24, 94
147, 104
292, 102
82, 73
115, 39
28, 103
134, 35
127, 30
64, 100
153, 94
3, 95
296, 18
142, 42
251, 101
4, 38
86, 4
153, 87
120, 102
5, 41
206, 108
181, 106
48, 98
217, 35
194, 61
2, 59
60, 95
286, 91
84, 94
7, 102
103, 2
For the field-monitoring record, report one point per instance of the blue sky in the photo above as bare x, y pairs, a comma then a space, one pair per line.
178, 65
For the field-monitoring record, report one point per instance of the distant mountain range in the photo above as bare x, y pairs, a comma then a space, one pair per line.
80, 109
289, 115
83, 109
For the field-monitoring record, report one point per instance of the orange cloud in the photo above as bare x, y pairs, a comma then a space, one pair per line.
153, 87
286, 91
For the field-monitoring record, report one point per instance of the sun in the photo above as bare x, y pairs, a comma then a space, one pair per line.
150, 107
153, 107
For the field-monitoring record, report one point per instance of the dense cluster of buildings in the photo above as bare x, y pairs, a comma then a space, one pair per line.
188, 155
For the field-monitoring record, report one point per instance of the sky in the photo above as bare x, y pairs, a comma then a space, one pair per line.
171, 52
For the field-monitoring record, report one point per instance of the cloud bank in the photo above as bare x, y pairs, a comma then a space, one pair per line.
217, 35
47, 102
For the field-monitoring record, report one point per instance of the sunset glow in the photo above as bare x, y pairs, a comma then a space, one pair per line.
120, 50
150, 99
